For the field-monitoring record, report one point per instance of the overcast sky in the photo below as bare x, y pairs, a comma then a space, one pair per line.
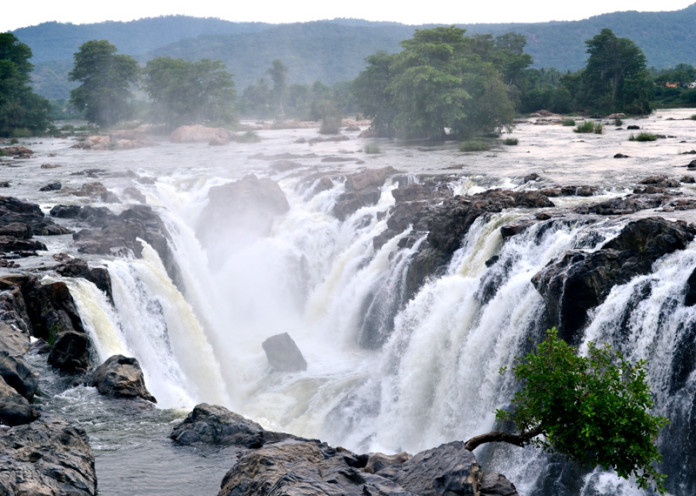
25, 13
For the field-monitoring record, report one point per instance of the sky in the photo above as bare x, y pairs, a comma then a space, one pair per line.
29, 13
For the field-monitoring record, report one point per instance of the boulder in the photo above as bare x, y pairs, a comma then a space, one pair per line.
18, 374
53, 186
581, 280
14, 211
120, 377
283, 354
14, 409
198, 133
215, 425
361, 189
13, 340
624, 205
18, 151
71, 352
50, 456
20, 247
99, 276
495, 484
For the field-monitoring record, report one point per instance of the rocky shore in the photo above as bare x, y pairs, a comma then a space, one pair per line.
44, 453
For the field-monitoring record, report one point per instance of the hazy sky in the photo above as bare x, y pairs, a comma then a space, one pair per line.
24, 13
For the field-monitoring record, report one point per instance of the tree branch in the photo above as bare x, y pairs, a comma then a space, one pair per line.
502, 437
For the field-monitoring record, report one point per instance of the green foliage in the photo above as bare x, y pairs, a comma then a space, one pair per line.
105, 78
185, 92
249, 137
618, 122
22, 112
330, 116
568, 122
372, 149
511, 141
693, 117
643, 136
593, 409
589, 127
442, 84
474, 146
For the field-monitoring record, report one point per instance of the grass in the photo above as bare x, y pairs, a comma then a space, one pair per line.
474, 146
643, 137
372, 148
568, 122
589, 127
511, 141
618, 122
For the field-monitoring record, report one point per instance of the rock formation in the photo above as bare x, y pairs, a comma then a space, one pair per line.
120, 377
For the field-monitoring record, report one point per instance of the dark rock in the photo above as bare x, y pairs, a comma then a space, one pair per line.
96, 216
13, 210
71, 352
283, 354
99, 276
18, 151
623, 206
533, 177
323, 184
690, 296
14, 410
691, 165
377, 462
54, 186
50, 456
688, 179
509, 230
12, 339
620, 155
446, 470
135, 194
361, 189
578, 190
121, 377
497, 485
20, 247
215, 425
660, 181
581, 280
16, 230
632, 127
18, 374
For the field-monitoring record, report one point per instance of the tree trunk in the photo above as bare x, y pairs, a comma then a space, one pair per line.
502, 437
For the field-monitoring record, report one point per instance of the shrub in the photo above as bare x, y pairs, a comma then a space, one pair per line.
372, 148
568, 122
618, 122
511, 141
643, 137
248, 137
693, 117
474, 146
589, 127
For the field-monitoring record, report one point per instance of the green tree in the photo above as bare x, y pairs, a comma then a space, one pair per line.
442, 84
594, 409
185, 92
615, 78
278, 73
20, 107
105, 79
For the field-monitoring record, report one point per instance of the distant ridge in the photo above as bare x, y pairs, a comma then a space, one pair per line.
335, 50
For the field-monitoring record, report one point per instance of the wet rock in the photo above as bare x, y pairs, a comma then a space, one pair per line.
18, 374
581, 280
633, 127
497, 485
691, 165
71, 352
18, 151
215, 425
510, 230
620, 155
690, 295
121, 377
54, 186
283, 354
361, 189
623, 206
14, 410
20, 247
14, 211
688, 179
48, 457
87, 213
660, 181
99, 276
12, 339
377, 462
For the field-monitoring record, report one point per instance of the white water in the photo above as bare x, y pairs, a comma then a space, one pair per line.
436, 378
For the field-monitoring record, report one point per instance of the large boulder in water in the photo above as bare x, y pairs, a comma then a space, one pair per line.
14, 408
283, 354
361, 189
581, 280
50, 456
215, 425
121, 377
18, 374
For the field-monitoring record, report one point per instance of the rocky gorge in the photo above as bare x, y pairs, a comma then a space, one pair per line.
588, 257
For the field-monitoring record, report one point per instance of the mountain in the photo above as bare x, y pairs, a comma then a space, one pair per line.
335, 50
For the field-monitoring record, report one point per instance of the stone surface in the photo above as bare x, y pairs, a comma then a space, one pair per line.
121, 377
283, 354
215, 425
18, 374
48, 457
14, 408
361, 189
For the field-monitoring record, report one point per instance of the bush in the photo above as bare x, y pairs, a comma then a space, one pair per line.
589, 127
372, 148
693, 117
643, 137
21, 132
474, 146
511, 141
568, 122
618, 122
248, 137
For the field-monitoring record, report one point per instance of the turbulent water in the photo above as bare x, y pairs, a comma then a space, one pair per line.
435, 379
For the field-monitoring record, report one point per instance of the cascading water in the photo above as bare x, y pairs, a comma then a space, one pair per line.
387, 370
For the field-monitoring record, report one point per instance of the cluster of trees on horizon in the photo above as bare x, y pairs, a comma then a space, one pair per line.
443, 84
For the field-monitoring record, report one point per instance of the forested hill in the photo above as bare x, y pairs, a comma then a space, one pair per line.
331, 51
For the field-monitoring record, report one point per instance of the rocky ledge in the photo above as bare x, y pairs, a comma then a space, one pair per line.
272, 463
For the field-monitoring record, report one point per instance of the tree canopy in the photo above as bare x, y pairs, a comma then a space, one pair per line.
441, 84
20, 107
185, 92
105, 82
594, 409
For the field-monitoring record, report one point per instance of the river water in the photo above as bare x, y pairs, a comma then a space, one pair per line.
435, 379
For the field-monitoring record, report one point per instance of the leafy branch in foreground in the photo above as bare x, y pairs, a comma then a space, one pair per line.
593, 409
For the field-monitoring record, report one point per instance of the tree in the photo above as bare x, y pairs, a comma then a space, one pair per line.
105, 79
593, 409
189, 92
615, 78
441, 85
20, 107
278, 72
